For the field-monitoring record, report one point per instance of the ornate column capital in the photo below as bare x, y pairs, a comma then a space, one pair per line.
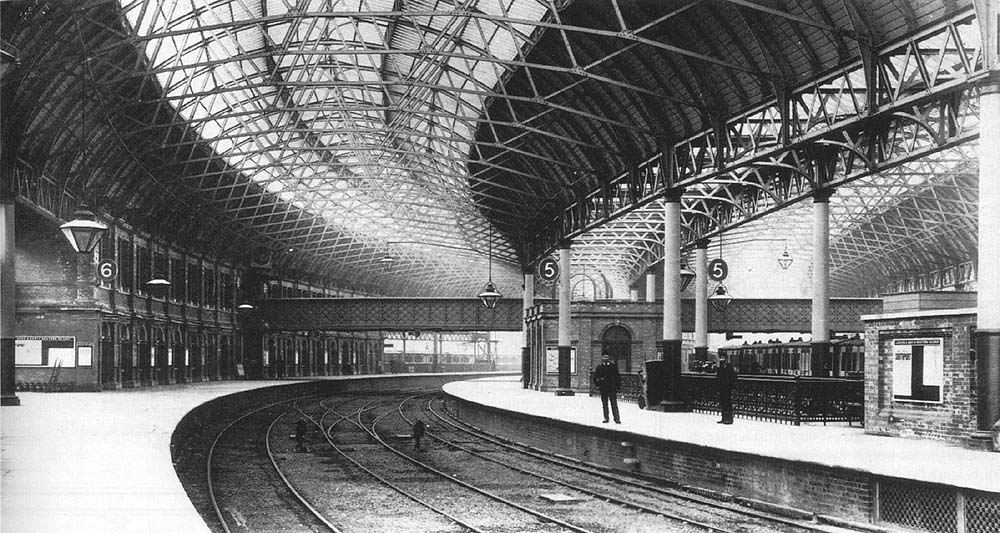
673, 195
822, 196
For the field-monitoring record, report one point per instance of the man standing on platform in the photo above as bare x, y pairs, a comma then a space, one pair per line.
726, 375
607, 379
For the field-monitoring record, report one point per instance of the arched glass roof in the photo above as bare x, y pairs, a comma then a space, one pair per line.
464, 139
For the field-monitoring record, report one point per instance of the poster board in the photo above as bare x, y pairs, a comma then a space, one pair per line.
38, 350
85, 355
552, 360
917, 369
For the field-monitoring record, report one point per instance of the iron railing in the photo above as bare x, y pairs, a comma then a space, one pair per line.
632, 389
785, 399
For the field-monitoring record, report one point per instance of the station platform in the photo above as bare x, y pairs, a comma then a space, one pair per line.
97, 462
835, 445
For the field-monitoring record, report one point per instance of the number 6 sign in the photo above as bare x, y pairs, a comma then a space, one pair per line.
718, 270
107, 269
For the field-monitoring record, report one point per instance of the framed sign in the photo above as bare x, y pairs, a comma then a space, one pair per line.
718, 270
107, 269
45, 351
552, 360
917, 369
548, 269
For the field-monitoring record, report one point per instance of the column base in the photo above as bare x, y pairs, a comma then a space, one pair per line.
565, 392
10, 400
671, 406
983, 440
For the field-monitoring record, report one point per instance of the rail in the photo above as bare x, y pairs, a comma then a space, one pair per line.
784, 399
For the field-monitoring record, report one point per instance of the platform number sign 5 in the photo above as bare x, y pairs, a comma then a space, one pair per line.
548, 269
107, 269
718, 270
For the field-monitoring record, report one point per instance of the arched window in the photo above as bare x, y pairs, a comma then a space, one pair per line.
617, 342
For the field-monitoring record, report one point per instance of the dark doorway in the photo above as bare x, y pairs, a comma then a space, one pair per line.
617, 342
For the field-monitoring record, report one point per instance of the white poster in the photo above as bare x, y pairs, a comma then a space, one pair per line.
31, 350
28, 351
552, 360
932, 368
902, 363
85, 356
64, 357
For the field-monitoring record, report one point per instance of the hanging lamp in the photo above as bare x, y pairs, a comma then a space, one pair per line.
490, 295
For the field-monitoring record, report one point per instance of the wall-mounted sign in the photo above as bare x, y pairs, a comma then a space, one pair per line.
107, 269
548, 269
45, 351
718, 270
552, 360
917, 369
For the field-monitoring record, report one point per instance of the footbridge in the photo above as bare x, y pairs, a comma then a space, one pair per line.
468, 314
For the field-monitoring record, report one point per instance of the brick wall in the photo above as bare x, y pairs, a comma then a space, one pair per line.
55, 297
954, 418
809, 487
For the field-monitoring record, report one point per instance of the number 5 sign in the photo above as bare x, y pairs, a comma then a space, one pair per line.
548, 269
718, 270
107, 269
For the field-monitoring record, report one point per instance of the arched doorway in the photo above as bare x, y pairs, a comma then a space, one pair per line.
617, 342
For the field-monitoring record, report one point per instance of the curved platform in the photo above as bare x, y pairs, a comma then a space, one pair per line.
834, 471
100, 461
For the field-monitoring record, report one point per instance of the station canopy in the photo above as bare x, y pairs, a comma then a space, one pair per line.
419, 147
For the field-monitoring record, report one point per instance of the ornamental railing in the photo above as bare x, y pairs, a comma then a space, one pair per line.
630, 391
790, 400
785, 399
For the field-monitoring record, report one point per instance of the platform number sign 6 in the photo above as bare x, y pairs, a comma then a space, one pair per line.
107, 269
548, 269
718, 270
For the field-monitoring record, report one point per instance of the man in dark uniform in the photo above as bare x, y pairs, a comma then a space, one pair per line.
726, 375
607, 379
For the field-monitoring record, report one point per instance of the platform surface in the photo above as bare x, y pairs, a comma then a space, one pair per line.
835, 445
99, 462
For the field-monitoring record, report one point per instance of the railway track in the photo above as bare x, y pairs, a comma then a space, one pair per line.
361, 473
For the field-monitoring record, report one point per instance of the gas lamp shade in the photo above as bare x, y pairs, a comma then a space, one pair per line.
686, 276
386, 262
785, 260
84, 232
490, 296
720, 298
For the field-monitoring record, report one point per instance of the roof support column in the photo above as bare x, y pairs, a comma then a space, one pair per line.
670, 346
650, 285
701, 300
565, 341
7, 307
529, 302
986, 338
821, 281
987, 333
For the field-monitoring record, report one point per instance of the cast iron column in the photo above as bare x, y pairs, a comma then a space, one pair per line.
987, 335
7, 295
821, 281
529, 302
565, 342
701, 300
650, 285
672, 338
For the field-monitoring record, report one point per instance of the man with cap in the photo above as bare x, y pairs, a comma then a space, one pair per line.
607, 379
726, 375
